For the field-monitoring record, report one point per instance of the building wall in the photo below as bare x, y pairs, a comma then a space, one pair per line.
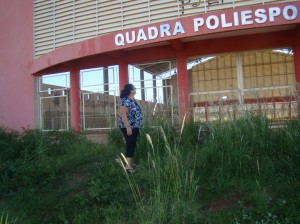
16, 52
76, 21
58, 23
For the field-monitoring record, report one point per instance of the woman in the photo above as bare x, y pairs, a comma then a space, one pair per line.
130, 122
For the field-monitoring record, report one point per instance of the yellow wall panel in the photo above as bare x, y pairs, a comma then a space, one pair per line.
267, 69
222, 85
222, 74
275, 69
290, 68
207, 65
252, 59
266, 75
214, 85
213, 64
260, 81
221, 62
228, 61
208, 75
276, 80
202, 86
246, 72
259, 69
259, 57
266, 58
214, 74
229, 83
283, 80
246, 59
201, 76
253, 71
233, 85
233, 73
291, 79
208, 86
281, 69
276, 93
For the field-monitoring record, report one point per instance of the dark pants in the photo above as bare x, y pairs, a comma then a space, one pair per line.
130, 141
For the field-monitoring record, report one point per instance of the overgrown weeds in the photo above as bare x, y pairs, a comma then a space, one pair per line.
240, 171
33, 156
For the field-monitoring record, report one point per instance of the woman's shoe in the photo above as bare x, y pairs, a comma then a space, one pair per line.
130, 170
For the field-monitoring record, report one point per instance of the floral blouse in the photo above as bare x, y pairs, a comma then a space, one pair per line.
134, 114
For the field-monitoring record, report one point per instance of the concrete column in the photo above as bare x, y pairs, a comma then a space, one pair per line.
142, 78
166, 93
183, 84
154, 89
240, 77
123, 73
75, 99
105, 79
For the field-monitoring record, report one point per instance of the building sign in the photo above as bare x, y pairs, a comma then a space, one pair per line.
217, 21
206, 3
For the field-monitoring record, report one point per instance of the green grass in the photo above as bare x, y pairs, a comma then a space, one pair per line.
238, 171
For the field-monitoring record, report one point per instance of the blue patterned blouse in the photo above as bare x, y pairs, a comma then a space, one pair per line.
134, 114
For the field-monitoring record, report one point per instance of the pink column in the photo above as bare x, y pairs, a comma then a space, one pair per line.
74, 99
297, 61
183, 92
123, 73
296, 49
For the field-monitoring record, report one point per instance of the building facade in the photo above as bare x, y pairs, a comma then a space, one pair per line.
64, 62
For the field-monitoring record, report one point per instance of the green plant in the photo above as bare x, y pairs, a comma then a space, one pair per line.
234, 171
108, 185
4, 219
171, 185
268, 217
115, 137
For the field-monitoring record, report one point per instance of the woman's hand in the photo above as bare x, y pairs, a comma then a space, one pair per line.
123, 112
129, 131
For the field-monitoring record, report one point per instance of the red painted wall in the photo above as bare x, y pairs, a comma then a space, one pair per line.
16, 52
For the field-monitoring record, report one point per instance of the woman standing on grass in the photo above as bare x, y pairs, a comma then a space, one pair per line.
130, 122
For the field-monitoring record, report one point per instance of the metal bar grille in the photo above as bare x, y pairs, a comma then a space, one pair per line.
266, 85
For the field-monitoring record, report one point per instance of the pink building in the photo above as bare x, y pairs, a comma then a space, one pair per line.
63, 62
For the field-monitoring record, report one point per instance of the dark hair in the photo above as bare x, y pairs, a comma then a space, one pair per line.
126, 91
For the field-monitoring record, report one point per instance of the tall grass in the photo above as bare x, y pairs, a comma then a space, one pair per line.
240, 171
33, 156
4, 219
250, 147
249, 156
258, 159
172, 187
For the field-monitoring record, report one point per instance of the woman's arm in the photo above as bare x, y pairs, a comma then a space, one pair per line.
123, 113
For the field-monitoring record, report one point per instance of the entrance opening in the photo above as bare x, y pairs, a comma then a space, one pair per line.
225, 86
99, 88
52, 97
155, 84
